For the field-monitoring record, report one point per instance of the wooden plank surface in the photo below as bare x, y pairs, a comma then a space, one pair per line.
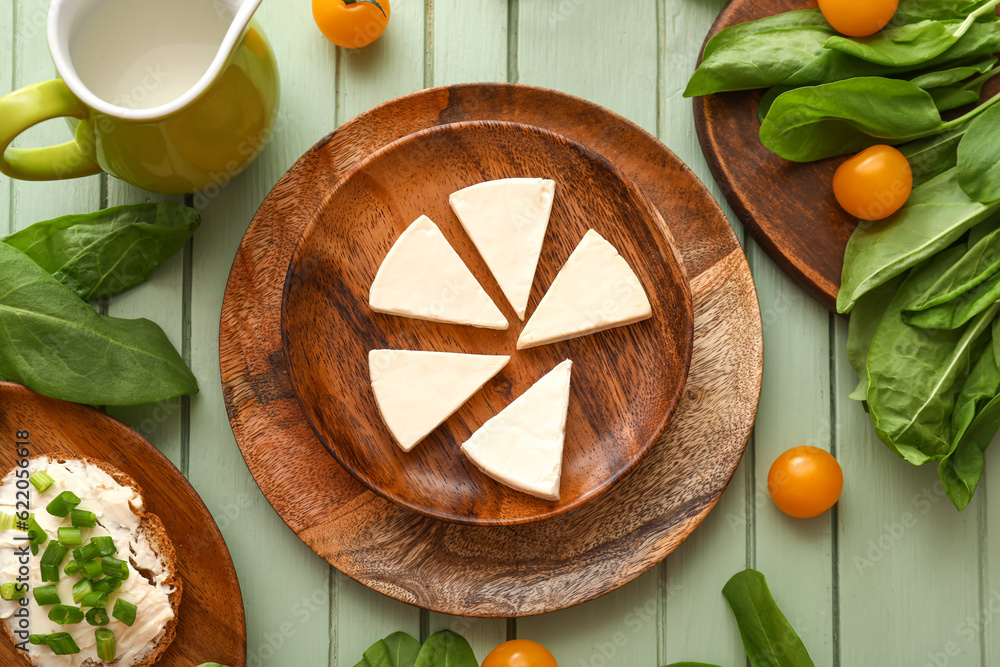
896, 576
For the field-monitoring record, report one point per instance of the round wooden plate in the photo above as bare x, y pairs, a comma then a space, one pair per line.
212, 626
626, 381
511, 570
788, 207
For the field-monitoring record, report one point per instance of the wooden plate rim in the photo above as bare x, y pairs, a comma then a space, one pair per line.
670, 404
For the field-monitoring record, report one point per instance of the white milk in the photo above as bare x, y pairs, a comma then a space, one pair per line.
141, 54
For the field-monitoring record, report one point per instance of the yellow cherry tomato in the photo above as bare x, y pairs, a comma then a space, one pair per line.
351, 23
873, 184
805, 481
858, 18
520, 653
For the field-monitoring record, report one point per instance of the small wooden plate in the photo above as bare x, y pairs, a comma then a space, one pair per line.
498, 571
211, 626
626, 381
788, 207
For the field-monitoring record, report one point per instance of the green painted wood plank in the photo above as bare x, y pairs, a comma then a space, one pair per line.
605, 53
6, 85
33, 202
620, 628
469, 46
983, 624
365, 617
908, 562
161, 300
794, 554
483, 633
293, 628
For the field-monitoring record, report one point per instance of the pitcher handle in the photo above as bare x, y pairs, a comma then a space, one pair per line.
27, 107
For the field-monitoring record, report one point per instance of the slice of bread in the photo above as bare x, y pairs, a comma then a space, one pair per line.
151, 528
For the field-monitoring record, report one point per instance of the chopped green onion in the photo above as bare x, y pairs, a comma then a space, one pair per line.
115, 567
62, 643
36, 533
63, 504
41, 480
83, 518
37, 640
81, 589
46, 595
85, 553
98, 616
70, 537
108, 585
91, 569
105, 545
71, 568
95, 599
6, 521
105, 644
124, 611
52, 560
65, 615
9, 591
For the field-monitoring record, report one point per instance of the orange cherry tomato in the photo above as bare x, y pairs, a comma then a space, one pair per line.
805, 481
858, 18
520, 653
351, 23
873, 184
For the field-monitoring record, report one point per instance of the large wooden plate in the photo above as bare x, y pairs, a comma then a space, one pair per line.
512, 570
788, 207
626, 381
211, 625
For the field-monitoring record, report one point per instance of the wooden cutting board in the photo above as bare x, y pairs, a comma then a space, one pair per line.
511, 570
211, 625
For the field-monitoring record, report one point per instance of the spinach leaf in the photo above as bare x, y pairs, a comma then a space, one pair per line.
902, 45
947, 98
801, 18
963, 468
758, 60
979, 157
915, 375
981, 385
767, 636
446, 649
937, 213
817, 122
917, 10
980, 262
933, 155
101, 254
949, 77
57, 345
397, 650
955, 313
865, 318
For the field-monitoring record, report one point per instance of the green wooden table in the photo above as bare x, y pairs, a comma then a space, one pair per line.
894, 576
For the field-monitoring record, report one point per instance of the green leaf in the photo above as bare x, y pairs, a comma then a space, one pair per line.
979, 157
934, 155
758, 60
952, 97
955, 313
903, 45
937, 213
981, 260
915, 375
801, 18
101, 254
57, 345
981, 385
446, 649
817, 122
865, 318
916, 10
961, 471
949, 77
769, 640
397, 650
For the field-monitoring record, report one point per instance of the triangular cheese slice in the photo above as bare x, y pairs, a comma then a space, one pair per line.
522, 446
416, 391
507, 219
595, 290
424, 278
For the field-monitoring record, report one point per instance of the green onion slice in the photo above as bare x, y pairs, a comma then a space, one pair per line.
63, 504
46, 595
70, 537
37, 640
105, 644
98, 616
41, 480
9, 591
6, 521
82, 589
95, 599
85, 553
91, 569
71, 568
36, 533
65, 615
62, 643
83, 518
124, 611
105, 545
115, 567
52, 560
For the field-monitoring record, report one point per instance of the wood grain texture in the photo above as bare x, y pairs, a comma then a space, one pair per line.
626, 381
211, 624
458, 569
